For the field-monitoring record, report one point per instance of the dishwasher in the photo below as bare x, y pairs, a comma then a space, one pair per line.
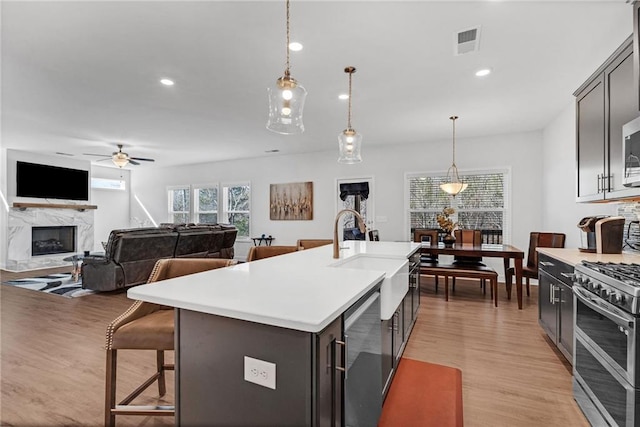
363, 362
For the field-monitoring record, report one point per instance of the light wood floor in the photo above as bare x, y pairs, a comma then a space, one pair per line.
52, 359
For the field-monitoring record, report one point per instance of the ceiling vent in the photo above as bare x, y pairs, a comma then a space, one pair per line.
466, 41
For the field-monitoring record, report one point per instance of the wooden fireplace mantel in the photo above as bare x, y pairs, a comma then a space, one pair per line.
23, 206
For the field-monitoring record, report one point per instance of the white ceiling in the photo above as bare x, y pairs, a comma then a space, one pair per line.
80, 77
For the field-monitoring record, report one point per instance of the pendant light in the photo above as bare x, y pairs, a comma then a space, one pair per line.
453, 185
286, 100
349, 141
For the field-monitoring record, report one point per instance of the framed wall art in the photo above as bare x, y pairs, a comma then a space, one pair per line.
293, 201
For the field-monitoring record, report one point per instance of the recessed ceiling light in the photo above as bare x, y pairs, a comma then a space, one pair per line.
343, 96
295, 46
167, 82
483, 72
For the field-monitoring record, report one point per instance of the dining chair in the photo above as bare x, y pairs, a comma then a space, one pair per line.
261, 252
312, 243
374, 235
148, 326
530, 271
427, 237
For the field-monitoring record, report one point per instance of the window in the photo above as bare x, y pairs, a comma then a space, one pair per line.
179, 204
205, 204
236, 204
108, 184
483, 205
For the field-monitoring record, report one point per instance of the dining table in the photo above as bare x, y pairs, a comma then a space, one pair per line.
506, 252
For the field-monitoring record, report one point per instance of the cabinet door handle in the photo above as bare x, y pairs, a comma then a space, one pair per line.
609, 178
569, 276
546, 263
599, 182
344, 345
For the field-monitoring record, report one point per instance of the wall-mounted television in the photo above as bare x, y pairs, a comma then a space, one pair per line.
51, 182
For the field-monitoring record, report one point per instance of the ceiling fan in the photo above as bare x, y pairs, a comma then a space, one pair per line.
120, 158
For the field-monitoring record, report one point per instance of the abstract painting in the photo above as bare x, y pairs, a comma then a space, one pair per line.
293, 201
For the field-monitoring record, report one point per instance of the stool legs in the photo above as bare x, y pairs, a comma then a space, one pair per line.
110, 388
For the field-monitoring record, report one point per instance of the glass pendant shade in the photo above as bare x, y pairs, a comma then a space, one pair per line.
286, 102
349, 142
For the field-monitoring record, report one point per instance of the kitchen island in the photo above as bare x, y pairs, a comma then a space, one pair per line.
266, 342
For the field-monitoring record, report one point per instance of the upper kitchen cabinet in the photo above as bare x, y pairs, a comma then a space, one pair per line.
604, 103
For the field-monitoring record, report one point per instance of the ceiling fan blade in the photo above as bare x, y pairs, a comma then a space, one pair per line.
102, 160
142, 158
133, 162
99, 155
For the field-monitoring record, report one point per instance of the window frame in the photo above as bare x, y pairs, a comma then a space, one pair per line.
222, 206
506, 209
195, 211
170, 211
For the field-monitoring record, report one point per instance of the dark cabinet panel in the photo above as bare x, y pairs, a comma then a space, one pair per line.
590, 140
622, 109
603, 105
555, 303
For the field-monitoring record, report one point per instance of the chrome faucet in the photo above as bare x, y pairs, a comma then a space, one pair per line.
361, 226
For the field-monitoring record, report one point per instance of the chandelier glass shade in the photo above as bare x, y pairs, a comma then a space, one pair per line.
349, 141
286, 100
453, 184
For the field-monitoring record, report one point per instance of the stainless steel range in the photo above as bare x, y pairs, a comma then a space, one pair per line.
606, 369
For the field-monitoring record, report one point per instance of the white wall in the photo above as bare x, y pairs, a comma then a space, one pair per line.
560, 211
388, 166
114, 206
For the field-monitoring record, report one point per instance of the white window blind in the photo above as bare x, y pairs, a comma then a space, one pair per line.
483, 205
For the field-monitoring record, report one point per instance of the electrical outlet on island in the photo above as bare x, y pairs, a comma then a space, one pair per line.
260, 372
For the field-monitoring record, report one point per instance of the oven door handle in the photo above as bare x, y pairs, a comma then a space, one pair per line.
584, 296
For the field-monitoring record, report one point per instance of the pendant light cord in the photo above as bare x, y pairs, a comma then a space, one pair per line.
453, 118
286, 72
349, 115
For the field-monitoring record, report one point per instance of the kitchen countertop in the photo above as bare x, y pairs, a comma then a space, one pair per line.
573, 256
301, 290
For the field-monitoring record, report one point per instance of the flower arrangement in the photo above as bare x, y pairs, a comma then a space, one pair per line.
445, 222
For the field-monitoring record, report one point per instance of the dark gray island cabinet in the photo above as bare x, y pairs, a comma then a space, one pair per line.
310, 369
294, 340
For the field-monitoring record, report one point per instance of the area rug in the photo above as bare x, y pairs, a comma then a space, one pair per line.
423, 395
56, 284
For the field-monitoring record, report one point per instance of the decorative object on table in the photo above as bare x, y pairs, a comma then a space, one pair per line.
286, 100
447, 224
453, 185
120, 158
292, 201
56, 284
349, 141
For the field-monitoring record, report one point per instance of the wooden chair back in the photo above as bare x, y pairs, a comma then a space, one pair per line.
426, 234
261, 252
312, 243
542, 240
374, 235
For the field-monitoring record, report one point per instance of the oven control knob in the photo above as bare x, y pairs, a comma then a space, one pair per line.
604, 293
616, 298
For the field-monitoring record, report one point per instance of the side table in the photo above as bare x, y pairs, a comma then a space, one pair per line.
257, 241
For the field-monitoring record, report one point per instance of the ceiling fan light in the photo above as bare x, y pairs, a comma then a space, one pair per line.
120, 159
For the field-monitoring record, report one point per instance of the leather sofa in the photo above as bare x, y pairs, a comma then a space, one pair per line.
130, 254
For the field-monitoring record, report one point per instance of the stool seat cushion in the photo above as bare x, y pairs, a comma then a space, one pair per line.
153, 331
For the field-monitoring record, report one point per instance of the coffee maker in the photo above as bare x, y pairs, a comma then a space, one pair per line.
601, 234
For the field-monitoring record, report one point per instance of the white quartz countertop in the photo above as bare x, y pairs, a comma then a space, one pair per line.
573, 256
302, 290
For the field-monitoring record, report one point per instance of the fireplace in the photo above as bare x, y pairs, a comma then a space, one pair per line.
53, 240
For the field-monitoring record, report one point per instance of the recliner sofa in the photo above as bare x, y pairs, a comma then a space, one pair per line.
130, 254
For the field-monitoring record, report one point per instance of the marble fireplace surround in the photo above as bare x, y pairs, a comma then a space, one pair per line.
20, 221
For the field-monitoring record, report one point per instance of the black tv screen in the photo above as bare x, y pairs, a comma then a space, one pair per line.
51, 182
